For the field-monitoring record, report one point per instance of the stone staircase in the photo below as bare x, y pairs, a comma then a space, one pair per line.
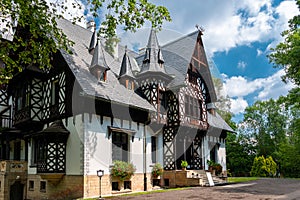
201, 174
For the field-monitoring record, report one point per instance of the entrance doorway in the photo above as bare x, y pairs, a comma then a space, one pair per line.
189, 148
16, 191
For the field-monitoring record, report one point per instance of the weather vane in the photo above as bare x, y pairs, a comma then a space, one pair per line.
200, 28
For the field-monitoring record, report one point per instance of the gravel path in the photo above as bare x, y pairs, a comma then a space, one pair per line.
262, 189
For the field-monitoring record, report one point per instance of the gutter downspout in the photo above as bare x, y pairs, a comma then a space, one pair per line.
144, 158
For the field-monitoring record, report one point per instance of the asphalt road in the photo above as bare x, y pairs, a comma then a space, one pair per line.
262, 189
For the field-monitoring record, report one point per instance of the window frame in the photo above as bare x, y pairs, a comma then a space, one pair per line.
162, 101
121, 140
153, 149
193, 107
43, 186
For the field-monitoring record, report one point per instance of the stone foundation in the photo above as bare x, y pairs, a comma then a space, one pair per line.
67, 186
91, 185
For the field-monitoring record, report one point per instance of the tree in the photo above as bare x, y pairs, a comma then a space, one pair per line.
37, 36
240, 153
265, 122
286, 54
263, 167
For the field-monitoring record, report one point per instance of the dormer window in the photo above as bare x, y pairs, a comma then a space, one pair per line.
99, 66
129, 85
101, 75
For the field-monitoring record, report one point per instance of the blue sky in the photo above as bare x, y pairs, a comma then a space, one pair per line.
238, 35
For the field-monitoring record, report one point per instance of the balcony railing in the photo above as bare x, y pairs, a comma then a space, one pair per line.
13, 166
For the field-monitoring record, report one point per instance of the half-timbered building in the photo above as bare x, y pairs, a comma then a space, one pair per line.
59, 126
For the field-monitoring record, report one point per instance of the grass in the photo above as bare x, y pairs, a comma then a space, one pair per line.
241, 179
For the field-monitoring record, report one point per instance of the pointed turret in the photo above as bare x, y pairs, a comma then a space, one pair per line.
153, 62
126, 76
99, 66
126, 66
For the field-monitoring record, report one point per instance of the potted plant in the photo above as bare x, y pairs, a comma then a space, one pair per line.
184, 164
218, 168
122, 170
157, 170
210, 164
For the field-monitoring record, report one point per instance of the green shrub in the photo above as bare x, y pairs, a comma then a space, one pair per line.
263, 167
122, 170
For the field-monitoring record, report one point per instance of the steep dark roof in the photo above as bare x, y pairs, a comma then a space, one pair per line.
98, 60
218, 122
153, 61
80, 61
126, 66
178, 56
93, 43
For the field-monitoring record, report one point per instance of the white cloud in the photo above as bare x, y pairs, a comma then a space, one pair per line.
285, 11
266, 88
274, 87
226, 26
241, 65
238, 105
238, 86
70, 13
259, 52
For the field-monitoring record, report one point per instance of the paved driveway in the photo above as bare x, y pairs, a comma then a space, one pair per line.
262, 189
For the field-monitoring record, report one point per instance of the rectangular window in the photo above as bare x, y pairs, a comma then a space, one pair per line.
120, 146
103, 76
187, 108
153, 148
192, 107
115, 186
163, 102
43, 186
22, 97
31, 185
33, 153
54, 92
17, 150
127, 185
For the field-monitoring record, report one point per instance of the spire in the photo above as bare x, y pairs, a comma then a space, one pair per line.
93, 43
98, 61
126, 67
153, 60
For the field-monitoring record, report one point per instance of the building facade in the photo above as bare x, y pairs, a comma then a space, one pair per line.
59, 126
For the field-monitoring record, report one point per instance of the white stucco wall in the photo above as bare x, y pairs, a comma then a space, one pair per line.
98, 147
74, 149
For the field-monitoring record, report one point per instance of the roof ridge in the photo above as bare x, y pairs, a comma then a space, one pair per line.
180, 38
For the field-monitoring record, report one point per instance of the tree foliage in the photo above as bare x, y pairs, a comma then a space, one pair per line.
263, 167
240, 153
264, 121
37, 35
274, 128
286, 54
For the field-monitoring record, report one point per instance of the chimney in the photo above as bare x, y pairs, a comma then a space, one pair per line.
91, 25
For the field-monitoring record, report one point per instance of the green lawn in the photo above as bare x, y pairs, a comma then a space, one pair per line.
241, 179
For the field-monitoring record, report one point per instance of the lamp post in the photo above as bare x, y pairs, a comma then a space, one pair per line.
100, 173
